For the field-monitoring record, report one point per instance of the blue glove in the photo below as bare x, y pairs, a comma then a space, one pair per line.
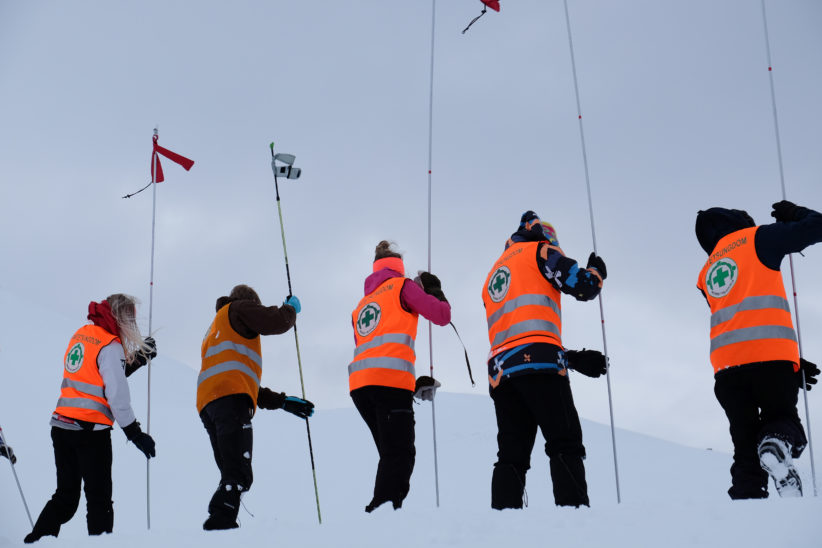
297, 406
293, 302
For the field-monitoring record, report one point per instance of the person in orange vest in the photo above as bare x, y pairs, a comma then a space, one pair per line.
93, 395
381, 377
229, 392
527, 365
5, 450
754, 349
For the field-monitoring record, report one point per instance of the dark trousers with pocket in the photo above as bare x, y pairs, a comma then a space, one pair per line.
759, 400
389, 414
228, 423
83, 459
524, 404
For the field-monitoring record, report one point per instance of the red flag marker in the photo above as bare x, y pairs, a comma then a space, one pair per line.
173, 156
493, 4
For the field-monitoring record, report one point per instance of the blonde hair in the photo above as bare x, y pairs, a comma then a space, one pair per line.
123, 308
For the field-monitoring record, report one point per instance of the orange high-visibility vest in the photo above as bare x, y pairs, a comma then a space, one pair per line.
521, 306
750, 316
384, 334
231, 364
82, 394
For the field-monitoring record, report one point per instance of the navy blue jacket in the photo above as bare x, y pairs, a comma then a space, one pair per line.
773, 241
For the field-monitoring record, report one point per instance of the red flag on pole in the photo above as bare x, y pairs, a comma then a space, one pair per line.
173, 156
493, 4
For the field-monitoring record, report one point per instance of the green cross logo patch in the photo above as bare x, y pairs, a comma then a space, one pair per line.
721, 277
499, 283
74, 358
368, 319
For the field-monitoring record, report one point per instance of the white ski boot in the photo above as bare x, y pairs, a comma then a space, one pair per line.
775, 459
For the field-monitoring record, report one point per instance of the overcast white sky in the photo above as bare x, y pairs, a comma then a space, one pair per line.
678, 118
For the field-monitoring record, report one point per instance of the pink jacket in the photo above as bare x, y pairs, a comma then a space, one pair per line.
412, 297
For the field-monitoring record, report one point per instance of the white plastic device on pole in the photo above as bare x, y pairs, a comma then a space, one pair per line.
790, 257
291, 172
594, 237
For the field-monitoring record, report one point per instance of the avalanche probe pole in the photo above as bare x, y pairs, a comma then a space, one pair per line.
430, 334
790, 257
594, 237
150, 316
296, 338
13, 471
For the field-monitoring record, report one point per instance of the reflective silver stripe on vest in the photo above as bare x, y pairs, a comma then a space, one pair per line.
525, 327
85, 403
84, 387
385, 363
523, 300
228, 345
756, 333
750, 303
228, 366
398, 338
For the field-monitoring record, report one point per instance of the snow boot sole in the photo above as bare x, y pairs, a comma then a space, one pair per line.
219, 524
775, 459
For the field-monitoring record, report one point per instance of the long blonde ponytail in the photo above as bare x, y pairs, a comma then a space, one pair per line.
123, 308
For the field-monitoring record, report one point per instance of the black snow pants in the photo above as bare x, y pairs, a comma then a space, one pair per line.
83, 459
228, 423
389, 414
522, 405
759, 400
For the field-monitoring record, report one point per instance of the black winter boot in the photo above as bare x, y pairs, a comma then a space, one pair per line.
507, 487
38, 533
47, 524
374, 504
775, 459
223, 508
100, 519
219, 523
568, 477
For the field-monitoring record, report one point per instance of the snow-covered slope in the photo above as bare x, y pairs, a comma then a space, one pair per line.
671, 495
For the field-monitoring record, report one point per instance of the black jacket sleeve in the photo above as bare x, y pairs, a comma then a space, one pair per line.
776, 240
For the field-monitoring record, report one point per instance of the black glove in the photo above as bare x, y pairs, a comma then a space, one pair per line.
811, 371
141, 357
6, 451
140, 439
588, 362
786, 212
426, 388
431, 285
268, 399
297, 406
596, 262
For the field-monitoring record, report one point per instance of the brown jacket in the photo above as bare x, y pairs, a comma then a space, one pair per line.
242, 372
250, 319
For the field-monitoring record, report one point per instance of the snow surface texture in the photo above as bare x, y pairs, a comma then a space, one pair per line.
672, 496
